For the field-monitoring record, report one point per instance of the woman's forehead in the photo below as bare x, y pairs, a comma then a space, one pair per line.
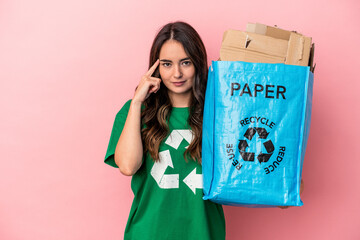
172, 50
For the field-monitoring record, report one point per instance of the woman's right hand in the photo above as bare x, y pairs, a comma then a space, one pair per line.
147, 85
129, 149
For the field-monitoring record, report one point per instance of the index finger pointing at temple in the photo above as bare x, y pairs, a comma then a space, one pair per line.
153, 67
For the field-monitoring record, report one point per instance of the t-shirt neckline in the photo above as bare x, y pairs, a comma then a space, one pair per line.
180, 109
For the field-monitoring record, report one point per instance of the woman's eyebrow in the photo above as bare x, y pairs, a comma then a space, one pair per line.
166, 60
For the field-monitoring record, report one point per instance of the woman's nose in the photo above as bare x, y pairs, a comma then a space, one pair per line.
177, 72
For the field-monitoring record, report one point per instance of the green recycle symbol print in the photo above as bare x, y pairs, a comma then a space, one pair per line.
250, 156
168, 181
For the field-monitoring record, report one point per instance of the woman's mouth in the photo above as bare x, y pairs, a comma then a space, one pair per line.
179, 84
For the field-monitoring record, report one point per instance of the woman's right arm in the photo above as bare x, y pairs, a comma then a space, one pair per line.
129, 149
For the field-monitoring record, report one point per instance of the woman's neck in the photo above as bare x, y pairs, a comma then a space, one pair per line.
180, 101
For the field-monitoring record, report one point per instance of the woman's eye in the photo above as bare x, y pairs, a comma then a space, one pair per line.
166, 64
186, 63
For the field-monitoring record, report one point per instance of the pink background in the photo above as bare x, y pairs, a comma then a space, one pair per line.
66, 67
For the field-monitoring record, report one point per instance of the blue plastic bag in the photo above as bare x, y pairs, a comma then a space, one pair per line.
255, 129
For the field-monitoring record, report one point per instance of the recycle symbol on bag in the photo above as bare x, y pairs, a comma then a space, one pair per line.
250, 156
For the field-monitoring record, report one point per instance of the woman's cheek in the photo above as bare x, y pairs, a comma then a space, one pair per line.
163, 74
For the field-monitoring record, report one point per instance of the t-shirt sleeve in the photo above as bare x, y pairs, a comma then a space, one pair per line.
115, 133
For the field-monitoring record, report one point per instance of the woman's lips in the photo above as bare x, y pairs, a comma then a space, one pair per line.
179, 84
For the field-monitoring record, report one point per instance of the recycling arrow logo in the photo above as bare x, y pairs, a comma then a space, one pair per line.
250, 156
168, 181
158, 171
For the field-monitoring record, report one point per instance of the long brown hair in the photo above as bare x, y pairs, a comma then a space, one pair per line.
158, 107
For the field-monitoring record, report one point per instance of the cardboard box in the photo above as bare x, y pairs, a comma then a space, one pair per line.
268, 31
266, 44
252, 47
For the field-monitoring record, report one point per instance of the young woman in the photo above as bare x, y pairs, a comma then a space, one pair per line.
156, 139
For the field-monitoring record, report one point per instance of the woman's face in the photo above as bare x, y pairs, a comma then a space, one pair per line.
176, 69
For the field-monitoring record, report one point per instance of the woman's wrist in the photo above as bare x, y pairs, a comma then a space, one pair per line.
135, 104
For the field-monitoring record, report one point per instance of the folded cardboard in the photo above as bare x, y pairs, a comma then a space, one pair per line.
266, 44
263, 29
299, 46
252, 47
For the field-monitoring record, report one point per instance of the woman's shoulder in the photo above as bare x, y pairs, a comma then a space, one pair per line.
127, 104
124, 109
